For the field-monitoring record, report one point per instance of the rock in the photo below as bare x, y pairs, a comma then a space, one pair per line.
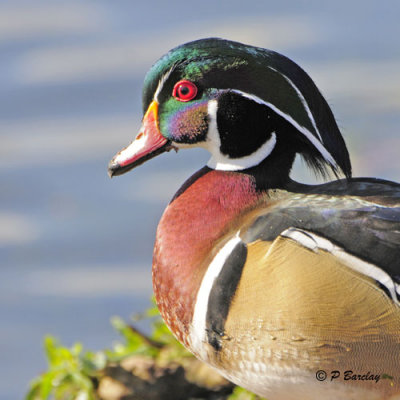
141, 378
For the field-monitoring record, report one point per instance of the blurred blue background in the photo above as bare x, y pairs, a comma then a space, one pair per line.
76, 247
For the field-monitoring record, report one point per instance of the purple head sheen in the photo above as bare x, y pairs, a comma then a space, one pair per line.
189, 124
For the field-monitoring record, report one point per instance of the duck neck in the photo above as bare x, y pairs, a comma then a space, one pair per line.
202, 212
273, 172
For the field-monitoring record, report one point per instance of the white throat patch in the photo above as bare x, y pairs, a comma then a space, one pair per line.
222, 162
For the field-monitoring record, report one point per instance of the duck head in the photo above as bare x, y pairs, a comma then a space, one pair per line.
248, 106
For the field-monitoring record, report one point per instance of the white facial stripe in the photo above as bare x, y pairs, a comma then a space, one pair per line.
213, 140
315, 142
315, 242
197, 334
222, 162
161, 83
303, 100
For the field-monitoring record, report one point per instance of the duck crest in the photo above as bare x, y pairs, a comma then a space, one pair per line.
211, 200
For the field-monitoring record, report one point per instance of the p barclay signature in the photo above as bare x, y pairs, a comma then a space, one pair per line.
350, 375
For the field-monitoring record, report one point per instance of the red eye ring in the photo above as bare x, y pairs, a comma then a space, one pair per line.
184, 90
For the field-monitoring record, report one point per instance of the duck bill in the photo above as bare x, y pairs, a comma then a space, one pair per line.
148, 143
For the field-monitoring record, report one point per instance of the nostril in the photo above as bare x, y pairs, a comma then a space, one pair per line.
139, 135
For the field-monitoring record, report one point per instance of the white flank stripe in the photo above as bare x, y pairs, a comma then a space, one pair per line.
303, 100
197, 335
315, 142
315, 242
222, 162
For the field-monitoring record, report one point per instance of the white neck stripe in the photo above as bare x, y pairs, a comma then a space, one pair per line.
222, 162
314, 141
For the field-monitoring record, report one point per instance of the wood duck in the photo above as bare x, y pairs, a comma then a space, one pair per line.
289, 290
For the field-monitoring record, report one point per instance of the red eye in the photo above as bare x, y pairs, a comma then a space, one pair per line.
184, 91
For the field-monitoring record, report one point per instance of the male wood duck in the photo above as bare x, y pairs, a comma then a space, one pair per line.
289, 290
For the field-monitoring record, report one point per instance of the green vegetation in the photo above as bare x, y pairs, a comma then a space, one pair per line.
242, 394
78, 374
70, 373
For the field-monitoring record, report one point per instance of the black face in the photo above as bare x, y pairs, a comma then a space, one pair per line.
243, 125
